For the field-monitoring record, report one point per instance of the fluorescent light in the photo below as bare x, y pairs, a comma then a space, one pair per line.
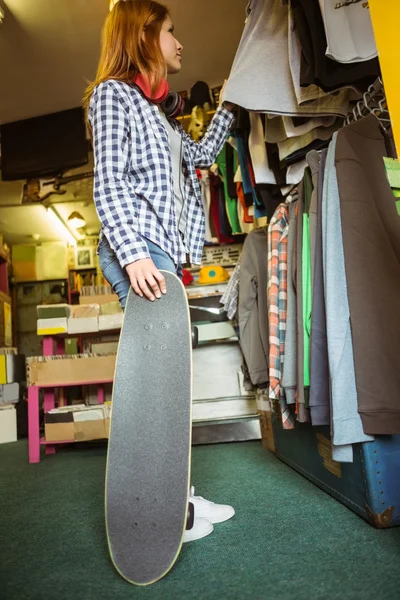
76, 220
60, 226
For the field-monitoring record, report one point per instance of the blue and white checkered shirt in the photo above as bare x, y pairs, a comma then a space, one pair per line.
133, 184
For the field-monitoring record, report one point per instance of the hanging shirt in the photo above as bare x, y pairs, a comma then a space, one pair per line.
319, 368
204, 177
346, 420
306, 275
261, 78
316, 67
371, 240
349, 31
230, 203
258, 151
252, 305
289, 374
277, 307
229, 299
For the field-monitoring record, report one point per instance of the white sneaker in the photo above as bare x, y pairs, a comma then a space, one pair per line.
201, 528
214, 513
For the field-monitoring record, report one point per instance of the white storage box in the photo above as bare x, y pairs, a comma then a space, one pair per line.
215, 369
83, 325
9, 393
8, 424
110, 322
52, 326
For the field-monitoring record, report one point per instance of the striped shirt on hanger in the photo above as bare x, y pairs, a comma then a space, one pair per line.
277, 306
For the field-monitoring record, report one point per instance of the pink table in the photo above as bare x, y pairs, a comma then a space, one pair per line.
55, 345
33, 415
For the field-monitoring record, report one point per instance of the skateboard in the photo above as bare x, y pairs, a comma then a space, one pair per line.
148, 460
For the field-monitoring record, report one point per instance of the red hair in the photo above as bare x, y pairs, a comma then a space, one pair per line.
125, 51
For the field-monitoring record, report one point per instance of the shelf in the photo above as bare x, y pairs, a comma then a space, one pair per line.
45, 442
83, 269
43, 386
99, 333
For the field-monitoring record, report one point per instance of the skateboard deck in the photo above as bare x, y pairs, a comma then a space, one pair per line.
148, 460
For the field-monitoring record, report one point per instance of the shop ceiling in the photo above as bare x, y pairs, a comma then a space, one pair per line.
50, 48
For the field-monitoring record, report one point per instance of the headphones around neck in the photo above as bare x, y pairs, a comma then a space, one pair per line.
171, 102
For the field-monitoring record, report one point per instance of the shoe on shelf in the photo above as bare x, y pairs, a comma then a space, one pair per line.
214, 513
201, 528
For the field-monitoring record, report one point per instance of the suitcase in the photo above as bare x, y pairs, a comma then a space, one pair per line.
370, 486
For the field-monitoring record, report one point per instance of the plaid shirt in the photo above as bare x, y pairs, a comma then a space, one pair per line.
133, 185
230, 297
277, 306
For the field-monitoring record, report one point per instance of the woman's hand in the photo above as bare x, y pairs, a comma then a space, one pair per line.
227, 105
144, 277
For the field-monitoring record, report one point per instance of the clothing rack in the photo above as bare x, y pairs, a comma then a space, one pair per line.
372, 102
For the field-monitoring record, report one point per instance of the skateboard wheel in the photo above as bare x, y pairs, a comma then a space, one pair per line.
195, 336
190, 517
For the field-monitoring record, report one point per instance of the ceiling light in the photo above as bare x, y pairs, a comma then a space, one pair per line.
60, 226
76, 220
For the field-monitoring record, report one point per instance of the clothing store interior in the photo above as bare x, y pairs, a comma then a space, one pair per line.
239, 435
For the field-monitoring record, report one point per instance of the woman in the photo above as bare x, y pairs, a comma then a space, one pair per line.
146, 190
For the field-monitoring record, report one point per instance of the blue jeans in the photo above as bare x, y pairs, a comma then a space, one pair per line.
118, 277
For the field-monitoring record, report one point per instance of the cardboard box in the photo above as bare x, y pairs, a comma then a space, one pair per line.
59, 427
100, 299
84, 311
71, 346
53, 311
92, 430
9, 393
92, 424
78, 369
52, 326
8, 424
9, 351
264, 410
267, 433
110, 308
78, 424
110, 322
83, 325
104, 347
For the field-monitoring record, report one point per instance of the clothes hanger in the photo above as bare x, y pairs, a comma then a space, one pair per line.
346, 3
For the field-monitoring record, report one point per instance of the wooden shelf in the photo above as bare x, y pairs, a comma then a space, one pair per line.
44, 386
45, 442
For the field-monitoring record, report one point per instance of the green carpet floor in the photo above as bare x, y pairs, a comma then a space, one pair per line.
289, 540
